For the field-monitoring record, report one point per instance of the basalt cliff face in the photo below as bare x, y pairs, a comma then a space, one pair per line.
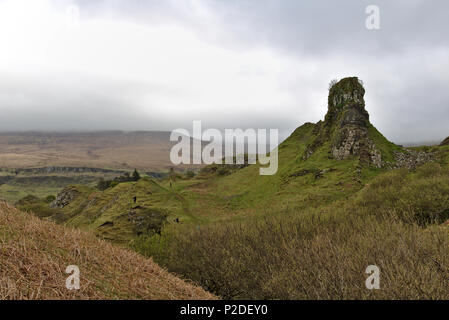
347, 126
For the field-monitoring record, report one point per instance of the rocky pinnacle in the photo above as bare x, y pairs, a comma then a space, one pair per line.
349, 123
346, 124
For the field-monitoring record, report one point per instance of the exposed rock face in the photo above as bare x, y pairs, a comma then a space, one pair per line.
64, 198
348, 133
346, 124
411, 159
354, 141
147, 219
445, 142
350, 120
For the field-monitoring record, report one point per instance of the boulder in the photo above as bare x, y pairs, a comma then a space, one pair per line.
65, 197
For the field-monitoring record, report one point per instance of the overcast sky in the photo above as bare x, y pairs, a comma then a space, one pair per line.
159, 64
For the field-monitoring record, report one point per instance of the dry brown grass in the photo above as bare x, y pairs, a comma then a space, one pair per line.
34, 255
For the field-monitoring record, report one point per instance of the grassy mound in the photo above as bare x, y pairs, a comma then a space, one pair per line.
34, 255
111, 214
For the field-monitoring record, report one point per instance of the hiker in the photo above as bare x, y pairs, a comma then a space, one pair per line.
135, 199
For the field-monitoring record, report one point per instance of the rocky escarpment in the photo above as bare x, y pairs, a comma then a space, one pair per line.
445, 142
66, 170
346, 125
53, 169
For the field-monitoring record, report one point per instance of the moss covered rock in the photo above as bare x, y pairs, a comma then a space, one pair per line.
348, 129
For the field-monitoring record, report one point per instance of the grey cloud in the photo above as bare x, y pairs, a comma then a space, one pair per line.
327, 27
82, 103
77, 104
408, 101
303, 27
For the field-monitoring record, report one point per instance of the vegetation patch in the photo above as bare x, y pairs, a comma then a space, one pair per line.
322, 253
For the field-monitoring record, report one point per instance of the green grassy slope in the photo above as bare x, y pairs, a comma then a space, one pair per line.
396, 222
299, 183
112, 214
445, 142
242, 235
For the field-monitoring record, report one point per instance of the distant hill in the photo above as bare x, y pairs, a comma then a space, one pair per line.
144, 150
445, 142
35, 254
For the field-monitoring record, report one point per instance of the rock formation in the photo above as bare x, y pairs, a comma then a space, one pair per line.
410, 159
347, 125
65, 197
346, 132
445, 142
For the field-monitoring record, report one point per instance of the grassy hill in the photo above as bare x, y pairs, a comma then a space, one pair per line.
112, 214
344, 197
34, 255
242, 235
397, 221
236, 194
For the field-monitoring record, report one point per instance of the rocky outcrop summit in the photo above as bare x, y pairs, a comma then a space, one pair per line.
346, 132
445, 142
347, 126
